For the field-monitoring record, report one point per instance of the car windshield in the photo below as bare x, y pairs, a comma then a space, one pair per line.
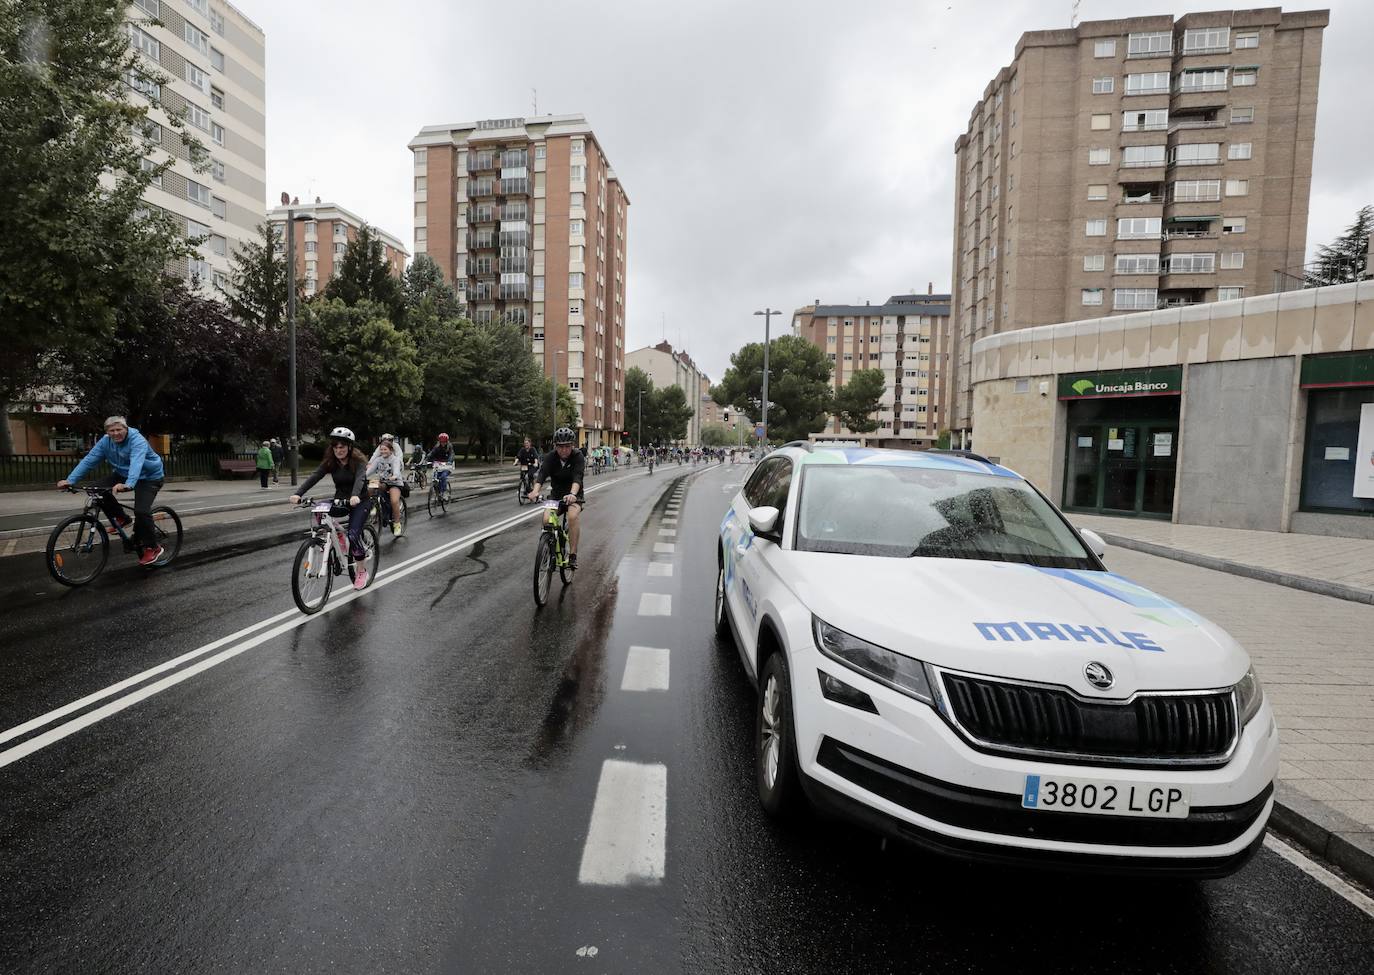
904, 512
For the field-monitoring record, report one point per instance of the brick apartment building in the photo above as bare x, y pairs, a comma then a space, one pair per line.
1135, 164
322, 240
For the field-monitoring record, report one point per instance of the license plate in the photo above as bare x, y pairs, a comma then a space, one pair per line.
1050, 793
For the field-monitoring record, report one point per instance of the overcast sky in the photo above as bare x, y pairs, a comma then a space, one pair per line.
774, 151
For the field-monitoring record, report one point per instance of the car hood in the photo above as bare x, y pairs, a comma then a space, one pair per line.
1019, 621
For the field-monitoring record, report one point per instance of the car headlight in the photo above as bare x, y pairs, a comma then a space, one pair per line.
1249, 696
901, 673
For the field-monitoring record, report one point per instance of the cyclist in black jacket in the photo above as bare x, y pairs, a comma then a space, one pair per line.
346, 466
564, 468
526, 458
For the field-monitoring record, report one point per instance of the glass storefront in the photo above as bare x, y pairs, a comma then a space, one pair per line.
1338, 449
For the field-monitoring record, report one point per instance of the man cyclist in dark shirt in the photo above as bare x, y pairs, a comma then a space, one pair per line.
564, 468
526, 458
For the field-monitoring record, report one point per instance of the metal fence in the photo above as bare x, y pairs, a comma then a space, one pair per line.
43, 470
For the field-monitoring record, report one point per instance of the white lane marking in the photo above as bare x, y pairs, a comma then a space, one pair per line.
665, 548
660, 568
1320, 874
668, 532
655, 604
627, 838
396, 573
646, 669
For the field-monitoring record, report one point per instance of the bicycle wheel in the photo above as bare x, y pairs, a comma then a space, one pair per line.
544, 561
77, 550
311, 578
167, 531
405, 516
565, 571
372, 560
432, 501
520, 492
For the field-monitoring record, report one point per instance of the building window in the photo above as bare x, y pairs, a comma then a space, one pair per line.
217, 21
577, 201
1094, 262
197, 231
421, 156
1095, 228
1152, 120
1137, 228
1104, 49
197, 193
201, 7
340, 231
1233, 260
575, 279
1196, 190
216, 59
218, 245
1207, 40
1100, 123
1239, 150
1135, 298
1190, 264
1092, 296
1099, 157
198, 77
1230, 294
217, 133
1245, 77
198, 116
1137, 264
1150, 44
1196, 154
339, 249
1241, 116
147, 165
1138, 156
1249, 39
152, 7
1148, 83
218, 207
1104, 86
577, 147
577, 254
1206, 79
311, 246
540, 151
144, 43
216, 98
196, 37
421, 184
1097, 191
1237, 187
577, 172
198, 271
1232, 225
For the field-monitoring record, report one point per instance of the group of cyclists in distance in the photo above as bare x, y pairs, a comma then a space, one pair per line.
357, 479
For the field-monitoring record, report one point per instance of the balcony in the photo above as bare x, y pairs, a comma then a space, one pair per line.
1151, 127
481, 269
514, 292
1142, 198
482, 240
1191, 235
481, 187
481, 215
515, 187
482, 162
1202, 123
1143, 164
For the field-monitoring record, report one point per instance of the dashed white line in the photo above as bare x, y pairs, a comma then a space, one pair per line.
626, 841
655, 604
668, 532
660, 568
665, 548
646, 669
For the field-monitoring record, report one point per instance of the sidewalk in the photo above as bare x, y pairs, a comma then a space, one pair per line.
1315, 656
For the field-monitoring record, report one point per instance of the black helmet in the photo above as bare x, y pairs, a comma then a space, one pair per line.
563, 435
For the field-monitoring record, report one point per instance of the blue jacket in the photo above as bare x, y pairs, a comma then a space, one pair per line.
133, 460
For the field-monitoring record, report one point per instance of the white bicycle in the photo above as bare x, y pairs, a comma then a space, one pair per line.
325, 554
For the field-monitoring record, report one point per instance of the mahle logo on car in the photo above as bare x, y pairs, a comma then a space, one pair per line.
1067, 632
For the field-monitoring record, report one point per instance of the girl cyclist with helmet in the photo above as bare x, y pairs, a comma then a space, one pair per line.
347, 466
386, 473
442, 454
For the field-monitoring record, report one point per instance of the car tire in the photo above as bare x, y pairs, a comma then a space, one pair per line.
722, 610
775, 749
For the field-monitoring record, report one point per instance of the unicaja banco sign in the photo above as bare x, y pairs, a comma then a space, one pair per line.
1154, 381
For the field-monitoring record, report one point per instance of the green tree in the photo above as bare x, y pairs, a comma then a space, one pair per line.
257, 281
370, 378
857, 400
799, 394
668, 418
364, 275
942, 441
638, 407
423, 283
71, 246
1344, 259
718, 435
541, 427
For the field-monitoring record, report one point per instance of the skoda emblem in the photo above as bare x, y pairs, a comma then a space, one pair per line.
1098, 675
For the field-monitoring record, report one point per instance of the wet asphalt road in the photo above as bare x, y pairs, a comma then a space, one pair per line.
404, 784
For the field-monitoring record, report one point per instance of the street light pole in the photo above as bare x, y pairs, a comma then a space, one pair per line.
292, 450
639, 425
556, 354
767, 314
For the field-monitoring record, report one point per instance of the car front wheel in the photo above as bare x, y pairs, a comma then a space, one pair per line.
775, 750
722, 621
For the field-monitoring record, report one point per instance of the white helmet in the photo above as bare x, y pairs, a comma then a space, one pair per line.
342, 433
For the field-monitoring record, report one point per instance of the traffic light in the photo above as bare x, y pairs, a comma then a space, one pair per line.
726, 415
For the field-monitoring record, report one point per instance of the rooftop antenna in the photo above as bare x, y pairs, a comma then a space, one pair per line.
1073, 20
534, 102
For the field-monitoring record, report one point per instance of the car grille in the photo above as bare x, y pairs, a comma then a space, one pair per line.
1164, 729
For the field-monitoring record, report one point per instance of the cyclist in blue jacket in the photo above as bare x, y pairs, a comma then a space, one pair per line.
138, 468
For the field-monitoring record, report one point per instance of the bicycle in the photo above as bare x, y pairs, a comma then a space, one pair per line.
79, 546
526, 484
419, 473
325, 554
381, 519
552, 551
437, 500
651, 463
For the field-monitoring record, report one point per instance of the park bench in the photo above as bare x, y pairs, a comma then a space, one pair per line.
235, 466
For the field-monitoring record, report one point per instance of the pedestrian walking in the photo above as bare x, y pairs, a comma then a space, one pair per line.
265, 462
278, 455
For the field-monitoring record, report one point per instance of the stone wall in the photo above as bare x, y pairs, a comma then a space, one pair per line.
1024, 431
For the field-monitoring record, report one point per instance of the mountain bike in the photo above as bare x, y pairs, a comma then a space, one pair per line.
526, 484
419, 472
325, 554
552, 551
437, 500
380, 518
79, 546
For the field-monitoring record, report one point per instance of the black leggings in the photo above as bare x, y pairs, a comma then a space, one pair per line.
144, 494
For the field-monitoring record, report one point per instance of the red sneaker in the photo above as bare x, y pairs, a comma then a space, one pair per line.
150, 555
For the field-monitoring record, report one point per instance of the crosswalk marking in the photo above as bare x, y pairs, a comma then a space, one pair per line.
665, 548
655, 604
668, 532
646, 669
627, 838
660, 568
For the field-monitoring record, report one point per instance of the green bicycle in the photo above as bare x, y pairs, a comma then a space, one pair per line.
552, 552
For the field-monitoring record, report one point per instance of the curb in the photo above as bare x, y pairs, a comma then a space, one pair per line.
1330, 835
1319, 586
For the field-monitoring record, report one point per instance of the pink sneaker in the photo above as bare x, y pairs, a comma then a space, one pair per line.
359, 578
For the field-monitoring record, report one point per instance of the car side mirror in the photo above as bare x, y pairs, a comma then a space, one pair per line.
764, 521
1094, 541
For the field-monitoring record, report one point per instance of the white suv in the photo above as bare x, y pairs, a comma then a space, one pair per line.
939, 654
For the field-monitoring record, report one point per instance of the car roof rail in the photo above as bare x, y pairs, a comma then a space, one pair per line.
803, 444
954, 451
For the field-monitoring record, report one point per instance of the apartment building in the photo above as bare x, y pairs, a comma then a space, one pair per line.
214, 60
528, 220
1129, 165
322, 240
667, 366
908, 338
